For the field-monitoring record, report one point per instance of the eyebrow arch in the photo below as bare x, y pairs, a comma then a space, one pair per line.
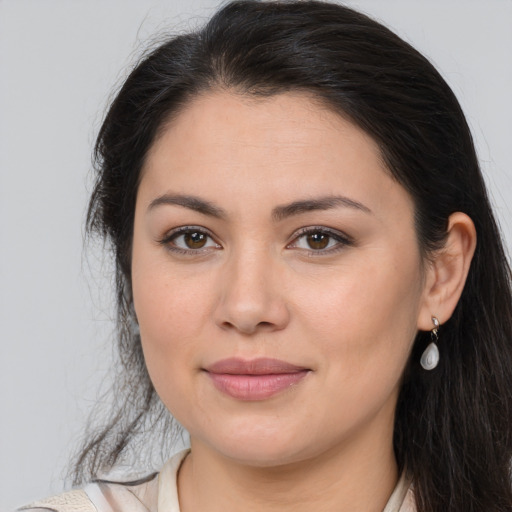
278, 213
322, 203
191, 202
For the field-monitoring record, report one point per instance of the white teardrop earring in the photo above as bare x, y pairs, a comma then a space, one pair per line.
430, 357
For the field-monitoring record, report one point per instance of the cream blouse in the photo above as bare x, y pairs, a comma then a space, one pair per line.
159, 493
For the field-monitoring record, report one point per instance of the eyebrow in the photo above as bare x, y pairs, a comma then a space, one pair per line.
192, 202
321, 203
278, 213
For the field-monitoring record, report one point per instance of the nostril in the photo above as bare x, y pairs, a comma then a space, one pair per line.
248, 328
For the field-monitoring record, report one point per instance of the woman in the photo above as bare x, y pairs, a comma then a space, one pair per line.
309, 275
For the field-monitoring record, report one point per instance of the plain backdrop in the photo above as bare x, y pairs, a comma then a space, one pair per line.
60, 60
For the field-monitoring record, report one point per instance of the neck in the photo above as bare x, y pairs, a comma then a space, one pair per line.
357, 477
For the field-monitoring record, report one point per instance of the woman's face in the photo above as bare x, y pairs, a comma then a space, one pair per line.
276, 278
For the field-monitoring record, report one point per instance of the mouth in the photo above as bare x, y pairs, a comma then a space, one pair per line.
256, 379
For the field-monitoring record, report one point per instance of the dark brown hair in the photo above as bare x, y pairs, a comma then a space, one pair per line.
453, 425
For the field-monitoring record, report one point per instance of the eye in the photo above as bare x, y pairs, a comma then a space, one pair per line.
318, 240
189, 239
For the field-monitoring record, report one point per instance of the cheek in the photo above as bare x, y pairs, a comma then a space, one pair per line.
165, 305
171, 311
170, 325
366, 316
363, 330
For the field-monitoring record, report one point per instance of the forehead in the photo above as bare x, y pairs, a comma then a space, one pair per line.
282, 146
296, 116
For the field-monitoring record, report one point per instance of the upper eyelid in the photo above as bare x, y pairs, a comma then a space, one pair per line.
336, 233
168, 241
184, 229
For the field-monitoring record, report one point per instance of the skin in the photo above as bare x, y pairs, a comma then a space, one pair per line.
348, 313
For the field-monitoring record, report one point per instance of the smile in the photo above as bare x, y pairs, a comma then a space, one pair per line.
254, 380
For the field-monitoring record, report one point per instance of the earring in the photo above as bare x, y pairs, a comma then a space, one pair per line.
134, 327
133, 323
430, 358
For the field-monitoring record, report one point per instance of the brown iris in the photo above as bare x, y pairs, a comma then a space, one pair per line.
195, 239
318, 241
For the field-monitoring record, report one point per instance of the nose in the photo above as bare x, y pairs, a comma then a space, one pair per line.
251, 295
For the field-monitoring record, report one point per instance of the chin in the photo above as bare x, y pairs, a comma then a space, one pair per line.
262, 450
263, 457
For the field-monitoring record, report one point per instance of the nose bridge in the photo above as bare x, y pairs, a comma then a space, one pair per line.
251, 297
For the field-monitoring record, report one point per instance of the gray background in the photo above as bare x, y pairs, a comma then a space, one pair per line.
59, 62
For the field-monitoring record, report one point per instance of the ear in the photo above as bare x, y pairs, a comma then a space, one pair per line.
447, 271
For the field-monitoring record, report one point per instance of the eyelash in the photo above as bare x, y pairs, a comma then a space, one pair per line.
341, 240
169, 238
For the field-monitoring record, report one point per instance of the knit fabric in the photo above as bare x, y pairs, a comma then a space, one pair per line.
72, 501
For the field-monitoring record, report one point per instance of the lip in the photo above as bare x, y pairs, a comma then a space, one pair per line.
256, 379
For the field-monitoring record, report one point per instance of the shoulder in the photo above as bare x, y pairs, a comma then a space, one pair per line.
72, 501
402, 498
408, 504
118, 493
103, 496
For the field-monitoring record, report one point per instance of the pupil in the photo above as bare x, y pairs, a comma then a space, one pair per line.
318, 241
195, 240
